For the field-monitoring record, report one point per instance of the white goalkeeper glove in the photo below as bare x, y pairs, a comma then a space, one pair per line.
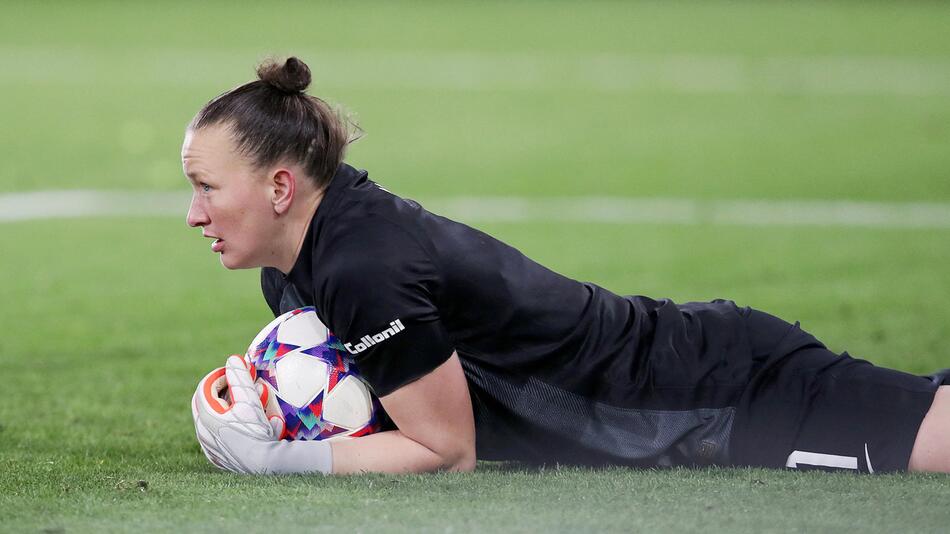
238, 435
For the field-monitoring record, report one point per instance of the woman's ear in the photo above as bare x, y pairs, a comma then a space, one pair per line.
283, 186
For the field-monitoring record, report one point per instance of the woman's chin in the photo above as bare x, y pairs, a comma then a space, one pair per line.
233, 262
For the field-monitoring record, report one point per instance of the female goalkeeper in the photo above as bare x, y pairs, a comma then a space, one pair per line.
501, 358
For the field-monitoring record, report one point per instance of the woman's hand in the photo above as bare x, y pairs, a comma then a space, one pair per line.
237, 435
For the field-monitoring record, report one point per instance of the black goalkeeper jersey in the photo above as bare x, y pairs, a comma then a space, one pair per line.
558, 370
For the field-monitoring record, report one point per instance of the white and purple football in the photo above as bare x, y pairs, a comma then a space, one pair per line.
318, 387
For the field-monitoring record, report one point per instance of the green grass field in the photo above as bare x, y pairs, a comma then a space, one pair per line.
108, 322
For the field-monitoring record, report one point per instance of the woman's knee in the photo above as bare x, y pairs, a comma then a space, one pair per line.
931, 452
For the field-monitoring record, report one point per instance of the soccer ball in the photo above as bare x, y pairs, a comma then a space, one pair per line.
319, 390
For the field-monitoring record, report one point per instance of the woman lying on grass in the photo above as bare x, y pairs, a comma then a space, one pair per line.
501, 358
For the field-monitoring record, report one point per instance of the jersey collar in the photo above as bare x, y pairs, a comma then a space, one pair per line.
301, 275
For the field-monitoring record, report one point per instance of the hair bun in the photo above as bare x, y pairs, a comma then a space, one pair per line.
293, 76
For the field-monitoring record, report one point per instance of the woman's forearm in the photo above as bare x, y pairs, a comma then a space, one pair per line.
392, 452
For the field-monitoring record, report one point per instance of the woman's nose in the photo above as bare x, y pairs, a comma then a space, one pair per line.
196, 214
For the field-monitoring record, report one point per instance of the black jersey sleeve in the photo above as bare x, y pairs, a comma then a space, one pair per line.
379, 298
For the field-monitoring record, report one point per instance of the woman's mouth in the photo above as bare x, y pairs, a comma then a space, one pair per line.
217, 245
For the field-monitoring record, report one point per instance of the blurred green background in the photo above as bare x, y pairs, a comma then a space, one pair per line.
758, 100
109, 322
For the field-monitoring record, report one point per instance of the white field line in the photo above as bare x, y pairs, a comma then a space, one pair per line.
613, 210
493, 71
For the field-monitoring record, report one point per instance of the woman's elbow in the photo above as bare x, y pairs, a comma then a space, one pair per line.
461, 461
465, 464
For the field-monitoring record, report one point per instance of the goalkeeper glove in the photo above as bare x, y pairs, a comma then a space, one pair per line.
238, 435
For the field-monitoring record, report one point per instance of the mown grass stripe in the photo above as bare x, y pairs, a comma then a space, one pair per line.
616, 210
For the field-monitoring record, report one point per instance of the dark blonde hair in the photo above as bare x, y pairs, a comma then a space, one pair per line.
273, 119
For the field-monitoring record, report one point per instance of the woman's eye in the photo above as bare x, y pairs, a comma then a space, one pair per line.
204, 187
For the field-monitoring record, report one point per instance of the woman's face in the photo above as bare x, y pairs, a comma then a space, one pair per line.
231, 200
